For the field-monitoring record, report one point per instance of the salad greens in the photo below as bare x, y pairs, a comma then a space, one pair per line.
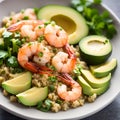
98, 23
9, 45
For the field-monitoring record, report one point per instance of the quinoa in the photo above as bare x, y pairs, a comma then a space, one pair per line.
13, 98
92, 98
5, 93
55, 107
65, 105
53, 96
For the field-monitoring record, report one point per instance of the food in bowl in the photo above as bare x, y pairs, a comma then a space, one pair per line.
40, 51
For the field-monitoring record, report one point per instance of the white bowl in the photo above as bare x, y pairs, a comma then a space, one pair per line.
77, 113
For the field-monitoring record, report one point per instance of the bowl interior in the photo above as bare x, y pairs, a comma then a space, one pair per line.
88, 109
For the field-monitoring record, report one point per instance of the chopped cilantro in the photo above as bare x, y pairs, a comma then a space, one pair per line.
52, 78
40, 54
26, 18
98, 23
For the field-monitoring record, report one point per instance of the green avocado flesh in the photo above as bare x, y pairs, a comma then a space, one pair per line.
18, 84
32, 96
104, 69
88, 90
95, 49
69, 19
93, 81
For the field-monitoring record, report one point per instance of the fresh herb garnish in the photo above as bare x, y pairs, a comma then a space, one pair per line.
98, 23
40, 54
26, 18
52, 78
7, 35
51, 88
12, 62
41, 38
44, 106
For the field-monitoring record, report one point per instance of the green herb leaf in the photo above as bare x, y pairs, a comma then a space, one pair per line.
12, 62
7, 35
98, 22
52, 78
52, 88
40, 54
44, 106
3, 54
26, 18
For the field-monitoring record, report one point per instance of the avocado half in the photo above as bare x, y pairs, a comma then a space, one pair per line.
95, 49
69, 19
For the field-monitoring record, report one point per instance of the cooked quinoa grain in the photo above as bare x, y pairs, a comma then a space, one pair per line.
5, 93
52, 96
92, 98
55, 107
13, 98
65, 105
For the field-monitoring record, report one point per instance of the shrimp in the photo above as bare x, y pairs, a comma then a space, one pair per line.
30, 50
17, 26
64, 62
72, 95
28, 13
28, 28
55, 35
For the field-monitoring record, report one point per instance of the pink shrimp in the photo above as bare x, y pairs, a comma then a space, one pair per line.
64, 62
72, 95
55, 35
28, 28
27, 53
18, 25
28, 13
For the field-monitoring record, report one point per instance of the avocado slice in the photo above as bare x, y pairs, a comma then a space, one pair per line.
88, 90
32, 96
18, 84
95, 49
104, 69
69, 19
93, 81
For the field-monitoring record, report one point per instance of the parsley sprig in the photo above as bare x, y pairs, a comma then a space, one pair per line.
98, 23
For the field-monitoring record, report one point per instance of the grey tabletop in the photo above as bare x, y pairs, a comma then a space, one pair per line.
112, 111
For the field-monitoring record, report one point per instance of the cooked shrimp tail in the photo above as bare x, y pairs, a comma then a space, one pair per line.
44, 68
74, 93
18, 25
69, 51
27, 53
32, 67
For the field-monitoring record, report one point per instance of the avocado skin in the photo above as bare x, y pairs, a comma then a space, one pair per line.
88, 90
94, 60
